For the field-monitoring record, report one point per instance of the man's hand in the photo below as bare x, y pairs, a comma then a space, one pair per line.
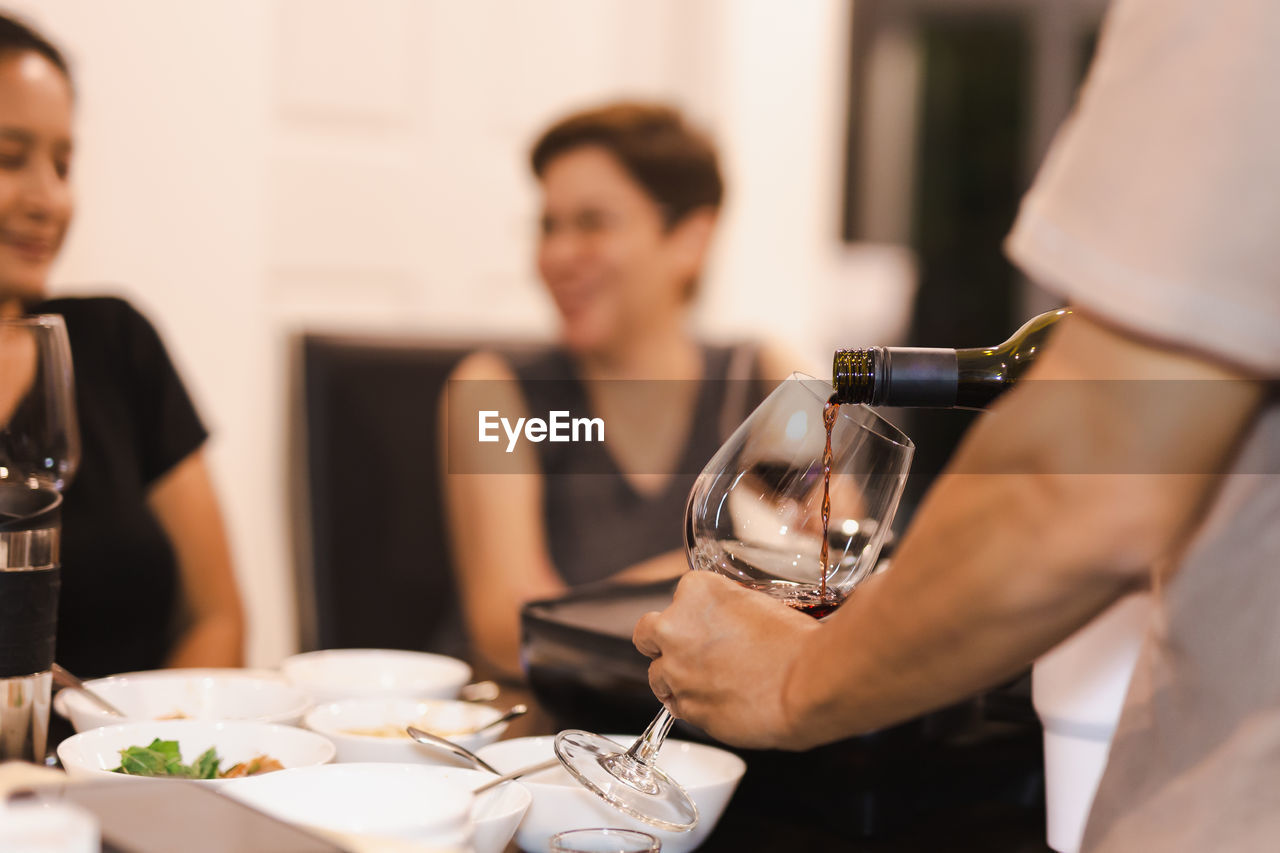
721, 657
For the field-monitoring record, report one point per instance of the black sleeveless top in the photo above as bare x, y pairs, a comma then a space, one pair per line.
118, 609
597, 524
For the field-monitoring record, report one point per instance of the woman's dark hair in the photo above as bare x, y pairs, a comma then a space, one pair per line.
16, 36
675, 164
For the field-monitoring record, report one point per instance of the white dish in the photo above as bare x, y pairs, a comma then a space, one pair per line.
335, 674
96, 753
709, 774
374, 729
200, 694
432, 805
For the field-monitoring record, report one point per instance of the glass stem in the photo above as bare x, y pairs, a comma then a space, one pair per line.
645, 749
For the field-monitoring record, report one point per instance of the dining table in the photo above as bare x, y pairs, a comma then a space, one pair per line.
970, 788
968, 777
975, 792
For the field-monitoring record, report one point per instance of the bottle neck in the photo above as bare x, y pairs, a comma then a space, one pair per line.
946, 378
897, 376
983, 374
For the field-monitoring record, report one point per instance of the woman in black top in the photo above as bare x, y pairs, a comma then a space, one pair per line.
146, 572
630, 197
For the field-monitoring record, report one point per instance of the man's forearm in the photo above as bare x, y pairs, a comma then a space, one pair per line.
1007, 559
949, 618
1056, 504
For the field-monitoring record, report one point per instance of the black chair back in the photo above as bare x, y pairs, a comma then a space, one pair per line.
373, 566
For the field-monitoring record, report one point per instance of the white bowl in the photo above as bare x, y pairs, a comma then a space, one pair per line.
200, 694
710, 775
405, 801
374, 729
96, 753
335, 674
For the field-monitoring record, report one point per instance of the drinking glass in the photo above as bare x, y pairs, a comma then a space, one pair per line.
39, 453
604, 840
788, 506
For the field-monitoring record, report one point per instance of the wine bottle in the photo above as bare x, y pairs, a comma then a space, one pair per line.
939, 378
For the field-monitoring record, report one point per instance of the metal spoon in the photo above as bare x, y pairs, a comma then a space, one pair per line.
516, 774
66, 679
462, 752
516, 711
443, 743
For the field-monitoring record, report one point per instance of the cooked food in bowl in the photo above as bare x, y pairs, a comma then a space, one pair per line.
208, 753
398, 731
187, 694
164, 758
383, 731
374, 729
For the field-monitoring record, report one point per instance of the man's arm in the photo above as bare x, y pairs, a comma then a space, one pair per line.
1058, 503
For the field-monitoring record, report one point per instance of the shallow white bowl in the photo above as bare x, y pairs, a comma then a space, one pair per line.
200, 694
406, 801
710, 775
96, 752
335, 674
350, 724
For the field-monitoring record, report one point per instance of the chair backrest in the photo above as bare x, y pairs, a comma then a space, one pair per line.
373, 567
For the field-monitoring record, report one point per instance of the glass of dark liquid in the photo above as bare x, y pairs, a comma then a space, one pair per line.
796, 504
39, 453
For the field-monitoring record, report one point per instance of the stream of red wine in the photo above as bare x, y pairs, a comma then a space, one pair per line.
829, 412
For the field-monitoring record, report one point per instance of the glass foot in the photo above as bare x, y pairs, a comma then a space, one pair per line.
640, 790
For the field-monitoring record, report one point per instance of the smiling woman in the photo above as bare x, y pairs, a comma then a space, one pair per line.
630, 199
35, 162
140, 523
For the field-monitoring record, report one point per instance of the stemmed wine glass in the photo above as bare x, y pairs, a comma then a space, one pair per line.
39, 433
796, 504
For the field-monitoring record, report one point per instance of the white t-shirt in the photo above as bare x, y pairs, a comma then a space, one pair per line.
1158, 208
1159, 203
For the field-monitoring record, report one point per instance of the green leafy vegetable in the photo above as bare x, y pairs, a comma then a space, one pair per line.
163, 758
206, 766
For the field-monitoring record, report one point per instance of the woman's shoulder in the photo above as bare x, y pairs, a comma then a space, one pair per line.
515, 382
105, 316
482, 365
114, 341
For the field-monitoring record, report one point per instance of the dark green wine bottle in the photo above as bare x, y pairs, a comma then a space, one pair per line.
939, 378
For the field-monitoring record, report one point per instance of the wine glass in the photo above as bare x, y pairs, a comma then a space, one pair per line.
39, 433
796, 504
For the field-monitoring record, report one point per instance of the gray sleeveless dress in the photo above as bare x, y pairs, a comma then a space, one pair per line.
597, 523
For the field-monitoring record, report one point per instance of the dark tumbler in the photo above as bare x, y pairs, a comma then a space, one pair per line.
29, 583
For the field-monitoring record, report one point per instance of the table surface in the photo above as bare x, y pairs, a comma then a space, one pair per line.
1000, 810
985, 795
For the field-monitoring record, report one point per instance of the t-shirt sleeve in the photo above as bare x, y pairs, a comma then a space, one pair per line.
1158, 206
168, 427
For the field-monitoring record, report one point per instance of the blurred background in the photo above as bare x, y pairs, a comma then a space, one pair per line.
252, 170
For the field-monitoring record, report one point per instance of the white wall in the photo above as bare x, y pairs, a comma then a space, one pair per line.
249, 168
